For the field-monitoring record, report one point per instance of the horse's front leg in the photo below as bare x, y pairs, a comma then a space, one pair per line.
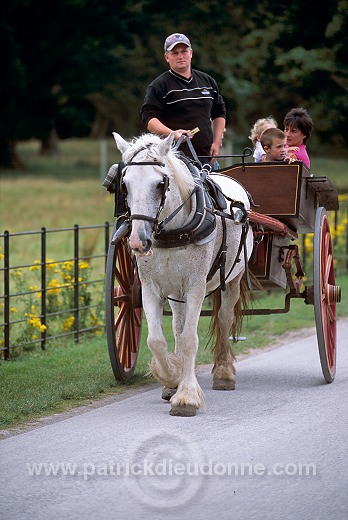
189, 396
165, 366
178, 320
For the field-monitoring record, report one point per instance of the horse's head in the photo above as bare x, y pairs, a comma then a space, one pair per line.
145, 183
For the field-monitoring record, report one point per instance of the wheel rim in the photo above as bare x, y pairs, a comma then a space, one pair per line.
326, 294
123, 310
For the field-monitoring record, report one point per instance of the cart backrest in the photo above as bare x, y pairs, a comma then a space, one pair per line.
286, 192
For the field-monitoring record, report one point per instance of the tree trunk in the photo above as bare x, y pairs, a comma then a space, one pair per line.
9, 158
49, 146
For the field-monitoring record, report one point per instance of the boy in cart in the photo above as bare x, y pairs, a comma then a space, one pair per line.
273, 141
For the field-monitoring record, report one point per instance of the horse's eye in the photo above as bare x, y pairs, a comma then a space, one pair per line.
160, 185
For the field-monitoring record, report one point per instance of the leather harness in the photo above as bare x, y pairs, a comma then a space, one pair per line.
210, 202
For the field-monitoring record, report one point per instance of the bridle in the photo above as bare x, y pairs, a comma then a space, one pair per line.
156, 226
164, 183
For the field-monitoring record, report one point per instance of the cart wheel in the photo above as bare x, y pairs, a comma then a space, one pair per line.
123, 309
326, 295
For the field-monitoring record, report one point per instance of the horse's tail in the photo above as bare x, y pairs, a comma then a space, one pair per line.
244, 302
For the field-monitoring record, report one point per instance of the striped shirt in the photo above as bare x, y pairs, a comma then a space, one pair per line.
186, 103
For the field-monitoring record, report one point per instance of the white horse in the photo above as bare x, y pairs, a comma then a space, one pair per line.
157, 182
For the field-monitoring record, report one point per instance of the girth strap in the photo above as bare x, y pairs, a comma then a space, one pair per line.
220, 260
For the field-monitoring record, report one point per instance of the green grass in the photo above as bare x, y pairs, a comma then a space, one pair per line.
68, 375
336, 169
57, 192
63, 191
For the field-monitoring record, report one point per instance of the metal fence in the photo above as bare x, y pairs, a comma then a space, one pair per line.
42, 318
77, 288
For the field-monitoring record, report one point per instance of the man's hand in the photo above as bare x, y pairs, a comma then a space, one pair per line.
214, 150
179, 133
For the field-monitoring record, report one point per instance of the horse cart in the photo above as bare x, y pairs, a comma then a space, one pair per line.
286, 201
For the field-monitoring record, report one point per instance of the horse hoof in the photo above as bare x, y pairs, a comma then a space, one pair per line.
223, 384
183, 410
167, 393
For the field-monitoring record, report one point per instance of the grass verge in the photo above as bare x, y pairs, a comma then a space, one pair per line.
69, 375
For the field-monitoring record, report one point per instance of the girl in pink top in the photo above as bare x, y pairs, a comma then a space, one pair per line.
298, 126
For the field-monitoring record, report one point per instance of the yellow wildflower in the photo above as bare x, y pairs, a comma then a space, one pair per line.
36, 265
68, 323
67, 266
54, 287
51, 264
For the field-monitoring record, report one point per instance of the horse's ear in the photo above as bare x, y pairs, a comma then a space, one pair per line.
121, 144
166, 144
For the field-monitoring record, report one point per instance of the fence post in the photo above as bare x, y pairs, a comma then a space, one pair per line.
76, 284
43, 316
7, 294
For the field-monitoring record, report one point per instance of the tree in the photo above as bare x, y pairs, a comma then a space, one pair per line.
56, 55
78, 66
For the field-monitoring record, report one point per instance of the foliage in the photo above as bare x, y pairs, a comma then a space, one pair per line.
83, 66
339, 232
60, 297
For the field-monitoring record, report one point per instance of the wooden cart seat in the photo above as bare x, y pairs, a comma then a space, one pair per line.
286, 192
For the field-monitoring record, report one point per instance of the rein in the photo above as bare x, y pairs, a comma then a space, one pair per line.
240, 216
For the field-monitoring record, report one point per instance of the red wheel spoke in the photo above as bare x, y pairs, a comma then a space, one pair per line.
122, 342
124, 283
120, 316
331, 312
328, 270
120, 299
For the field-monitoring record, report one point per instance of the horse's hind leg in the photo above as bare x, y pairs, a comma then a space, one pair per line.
224, 372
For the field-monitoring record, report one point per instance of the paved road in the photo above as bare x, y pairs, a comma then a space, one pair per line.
275, 448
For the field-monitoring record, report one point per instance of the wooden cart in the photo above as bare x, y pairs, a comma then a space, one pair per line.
287, 202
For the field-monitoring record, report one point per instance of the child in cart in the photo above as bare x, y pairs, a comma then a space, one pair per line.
273, 141
255, 134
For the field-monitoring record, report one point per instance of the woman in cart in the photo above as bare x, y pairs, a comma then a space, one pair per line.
298, 126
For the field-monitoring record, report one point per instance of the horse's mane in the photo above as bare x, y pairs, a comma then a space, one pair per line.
146, 147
